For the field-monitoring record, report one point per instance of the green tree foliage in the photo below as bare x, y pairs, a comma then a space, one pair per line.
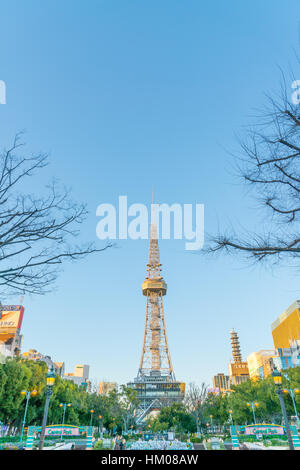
216, 406
16, 375
261, 391
117, 409
173, 418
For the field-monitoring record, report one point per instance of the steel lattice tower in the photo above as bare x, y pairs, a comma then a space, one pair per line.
155, 383
155, 353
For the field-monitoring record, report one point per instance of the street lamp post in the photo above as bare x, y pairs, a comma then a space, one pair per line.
50, 383
64, 406
230, 412
211, 422
253, 405
91, 422
114, 426
292, 392
278, 381
100, 422
27, 394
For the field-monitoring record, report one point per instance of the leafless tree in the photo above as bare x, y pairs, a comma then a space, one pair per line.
128, 406
270, 162
35, 233
194, 401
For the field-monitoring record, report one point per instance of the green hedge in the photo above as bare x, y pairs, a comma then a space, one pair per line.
196, 440
11, 439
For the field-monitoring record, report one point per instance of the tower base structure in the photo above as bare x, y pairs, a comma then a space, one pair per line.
155, 391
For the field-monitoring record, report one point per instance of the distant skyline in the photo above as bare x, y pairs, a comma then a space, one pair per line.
126, 96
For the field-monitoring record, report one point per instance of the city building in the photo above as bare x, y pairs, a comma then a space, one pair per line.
11, 318
295, 352
221, 382
238, 369
286, 358
106, 387
59, 368
80, 376
214, 391
34, 355
286, 337
155, 383
260, 363
286, 328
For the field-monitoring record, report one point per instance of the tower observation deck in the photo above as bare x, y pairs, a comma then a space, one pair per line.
155, 383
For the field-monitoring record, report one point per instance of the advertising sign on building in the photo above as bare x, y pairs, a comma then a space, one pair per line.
10, 321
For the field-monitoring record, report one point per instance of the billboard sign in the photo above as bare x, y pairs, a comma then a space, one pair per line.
11, 319
66, 430
264, 429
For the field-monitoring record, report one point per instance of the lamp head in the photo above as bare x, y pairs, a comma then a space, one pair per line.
51, 377
277, 377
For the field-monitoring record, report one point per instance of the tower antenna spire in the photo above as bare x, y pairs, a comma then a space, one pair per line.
153, 224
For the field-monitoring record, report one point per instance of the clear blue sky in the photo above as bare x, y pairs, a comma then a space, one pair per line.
127, 95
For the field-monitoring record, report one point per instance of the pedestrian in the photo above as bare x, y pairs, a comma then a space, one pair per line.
122, 444
117, 443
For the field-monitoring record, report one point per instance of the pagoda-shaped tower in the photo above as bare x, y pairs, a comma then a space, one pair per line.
235, 345
155, 382
238, 369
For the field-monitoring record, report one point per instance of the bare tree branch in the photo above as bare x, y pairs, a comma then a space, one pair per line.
35, 233
267, 164
194, 401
